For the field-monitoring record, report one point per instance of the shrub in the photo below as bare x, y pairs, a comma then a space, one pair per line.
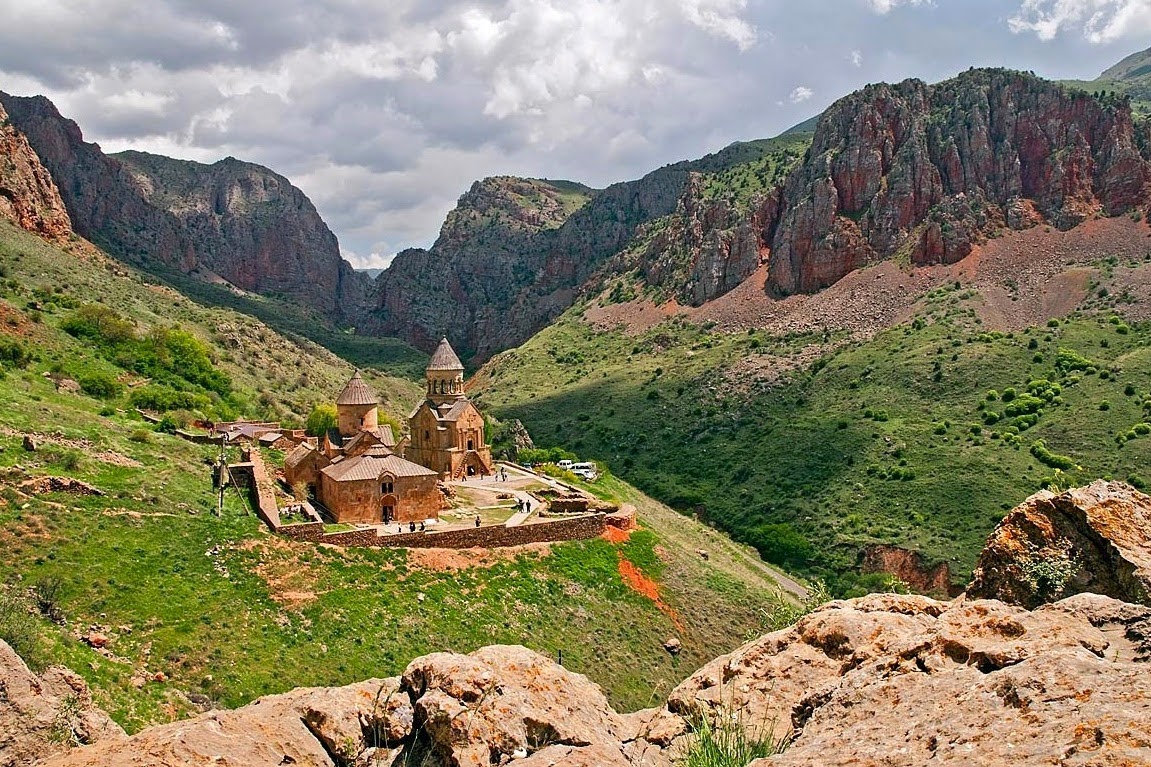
13, 353
1047, 458
1048, 570
142, 436
1009, 394
100, 385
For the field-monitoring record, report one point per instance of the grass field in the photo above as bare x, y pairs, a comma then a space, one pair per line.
891, 440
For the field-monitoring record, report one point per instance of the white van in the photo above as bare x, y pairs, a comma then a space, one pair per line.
564, 464
586, 466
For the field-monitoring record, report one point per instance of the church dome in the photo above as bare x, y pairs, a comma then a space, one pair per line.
357, 392
445, 358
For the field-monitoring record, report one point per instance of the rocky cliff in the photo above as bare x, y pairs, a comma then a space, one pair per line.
884, 679
911, 171
252, 227
515, 253
241, 221
28, 195
926, 171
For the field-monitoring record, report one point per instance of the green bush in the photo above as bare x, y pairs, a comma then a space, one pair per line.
13, 353
100, 385
1047, 458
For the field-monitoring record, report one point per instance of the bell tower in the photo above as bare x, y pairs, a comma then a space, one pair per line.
445, 375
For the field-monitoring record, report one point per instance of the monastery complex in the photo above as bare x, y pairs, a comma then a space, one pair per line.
360, 474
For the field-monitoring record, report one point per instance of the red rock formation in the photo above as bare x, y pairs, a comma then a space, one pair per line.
929, 171
1094, 539
28, 195
908, 567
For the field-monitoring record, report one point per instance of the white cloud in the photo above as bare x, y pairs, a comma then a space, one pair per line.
884, 7
1102, 21
800, 94
856, 58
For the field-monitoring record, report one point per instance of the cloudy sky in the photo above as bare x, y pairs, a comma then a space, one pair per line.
385, 111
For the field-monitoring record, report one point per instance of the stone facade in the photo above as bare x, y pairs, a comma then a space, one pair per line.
364, 501
354, 472
447, 429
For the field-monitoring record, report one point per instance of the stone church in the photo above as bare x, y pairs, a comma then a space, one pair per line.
447, 429
354, 471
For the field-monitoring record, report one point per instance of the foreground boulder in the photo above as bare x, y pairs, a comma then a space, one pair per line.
45, 714
882, 680
361, 723
1093, 539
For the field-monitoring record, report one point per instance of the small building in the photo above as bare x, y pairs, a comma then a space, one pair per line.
447, 429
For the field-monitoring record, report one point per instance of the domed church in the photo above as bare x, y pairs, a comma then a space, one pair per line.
447, 429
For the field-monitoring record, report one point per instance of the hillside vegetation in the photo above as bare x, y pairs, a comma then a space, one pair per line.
195, 609
812, 446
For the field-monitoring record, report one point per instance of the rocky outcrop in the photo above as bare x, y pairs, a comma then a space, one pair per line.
237, 220
930, 170
45, 714
28, 196
708, 247
363, 723
1093, 539
885, 679
908, 567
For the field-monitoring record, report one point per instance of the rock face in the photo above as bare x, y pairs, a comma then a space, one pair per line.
514, 254
238, 220
885, 679
909, 567
28, 195
45, 714
1092, 539
930, 170
252, 227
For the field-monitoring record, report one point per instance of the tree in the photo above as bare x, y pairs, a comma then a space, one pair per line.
322, 418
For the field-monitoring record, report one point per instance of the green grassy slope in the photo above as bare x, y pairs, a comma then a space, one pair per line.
885, 441
204, 609
1130, 77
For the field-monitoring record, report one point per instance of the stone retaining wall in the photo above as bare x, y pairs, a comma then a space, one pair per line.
487, 536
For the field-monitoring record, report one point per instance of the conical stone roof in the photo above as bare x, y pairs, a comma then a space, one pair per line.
357, 392
445, 358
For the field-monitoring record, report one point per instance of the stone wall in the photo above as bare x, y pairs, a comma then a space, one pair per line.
488, 536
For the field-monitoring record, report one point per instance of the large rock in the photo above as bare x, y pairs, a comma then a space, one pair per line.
1092, 539
45, 714
503, 701
319, 727
887, 680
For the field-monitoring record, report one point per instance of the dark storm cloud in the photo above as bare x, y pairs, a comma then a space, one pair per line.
384, 113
